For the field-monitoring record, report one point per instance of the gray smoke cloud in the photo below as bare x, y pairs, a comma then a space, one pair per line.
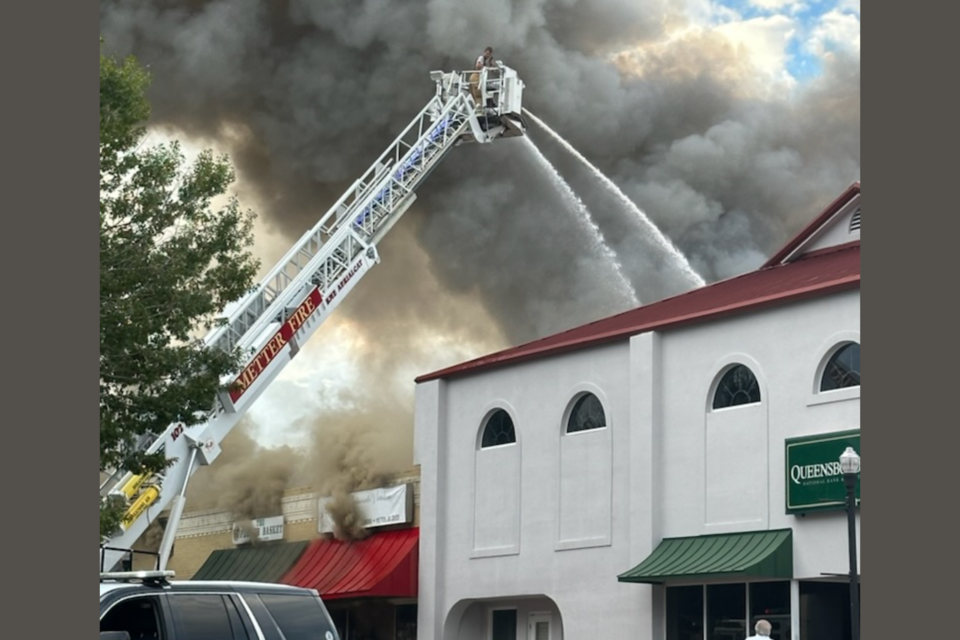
247, 480
305, 95
308, 93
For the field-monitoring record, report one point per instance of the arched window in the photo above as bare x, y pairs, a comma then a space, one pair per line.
737, 386
587, 414
499, 430
843, 368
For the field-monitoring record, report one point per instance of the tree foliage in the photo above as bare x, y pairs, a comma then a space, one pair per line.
175, 248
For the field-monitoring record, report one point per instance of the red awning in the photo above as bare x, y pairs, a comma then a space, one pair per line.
382, 565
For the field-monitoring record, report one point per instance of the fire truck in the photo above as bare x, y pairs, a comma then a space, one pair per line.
271, 324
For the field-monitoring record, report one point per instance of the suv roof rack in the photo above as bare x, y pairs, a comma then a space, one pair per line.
146, 577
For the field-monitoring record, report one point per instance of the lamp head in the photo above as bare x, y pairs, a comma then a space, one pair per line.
850, 461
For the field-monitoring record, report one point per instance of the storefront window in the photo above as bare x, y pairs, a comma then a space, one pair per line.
770, 601
726, 611
824, 611
685, 613
406, 622
731, 611
341, 620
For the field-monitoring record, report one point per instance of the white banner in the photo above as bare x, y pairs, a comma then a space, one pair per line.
264, 529
377, 507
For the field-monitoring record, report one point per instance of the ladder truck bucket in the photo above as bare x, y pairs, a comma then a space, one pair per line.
495, 95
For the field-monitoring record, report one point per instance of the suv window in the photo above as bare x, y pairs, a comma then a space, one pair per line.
299, 617
206, 617
139, 616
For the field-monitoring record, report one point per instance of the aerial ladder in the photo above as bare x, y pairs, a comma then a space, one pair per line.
271, 324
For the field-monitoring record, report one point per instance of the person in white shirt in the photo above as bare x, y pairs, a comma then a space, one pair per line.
485, 59
763, 629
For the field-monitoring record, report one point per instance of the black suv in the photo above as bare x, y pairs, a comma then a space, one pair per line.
147, 605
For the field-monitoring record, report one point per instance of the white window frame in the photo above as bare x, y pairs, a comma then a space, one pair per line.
539, 616
826, 351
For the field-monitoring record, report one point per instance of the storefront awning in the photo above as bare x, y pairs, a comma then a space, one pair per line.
265, 562
755, 554
382, 565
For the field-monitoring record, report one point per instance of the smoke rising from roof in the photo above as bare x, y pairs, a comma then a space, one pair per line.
726, 161
246, 479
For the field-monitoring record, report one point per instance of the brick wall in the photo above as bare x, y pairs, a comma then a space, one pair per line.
189, 554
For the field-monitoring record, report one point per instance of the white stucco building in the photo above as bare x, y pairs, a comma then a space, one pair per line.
669, 472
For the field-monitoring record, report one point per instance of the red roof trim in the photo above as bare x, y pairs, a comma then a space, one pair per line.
844, 284
382, 565
831, 270
811, 228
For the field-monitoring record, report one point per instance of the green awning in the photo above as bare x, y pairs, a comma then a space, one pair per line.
265, 562
755, 554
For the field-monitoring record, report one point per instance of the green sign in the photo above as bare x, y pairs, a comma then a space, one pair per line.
814, 479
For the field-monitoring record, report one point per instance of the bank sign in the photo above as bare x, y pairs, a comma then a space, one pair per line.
814, 479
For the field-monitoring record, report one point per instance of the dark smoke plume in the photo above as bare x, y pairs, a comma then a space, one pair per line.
304, 95
307, 94
246, 479
355, 450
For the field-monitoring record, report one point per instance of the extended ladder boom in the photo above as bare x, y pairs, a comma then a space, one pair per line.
272, 323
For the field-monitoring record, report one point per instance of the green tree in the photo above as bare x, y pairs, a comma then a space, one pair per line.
174, 250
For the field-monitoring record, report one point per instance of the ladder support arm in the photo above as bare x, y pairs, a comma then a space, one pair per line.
270, 324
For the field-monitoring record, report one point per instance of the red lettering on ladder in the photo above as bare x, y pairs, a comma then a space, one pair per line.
275, 344
280, 339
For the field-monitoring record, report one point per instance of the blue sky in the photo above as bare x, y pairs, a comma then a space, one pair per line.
792, 36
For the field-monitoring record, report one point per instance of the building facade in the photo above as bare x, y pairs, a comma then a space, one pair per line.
368, 584
670, 472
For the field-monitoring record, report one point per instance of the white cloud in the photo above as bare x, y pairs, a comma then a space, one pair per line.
778, 5
707, 13
765, 39
849, 5
835, 31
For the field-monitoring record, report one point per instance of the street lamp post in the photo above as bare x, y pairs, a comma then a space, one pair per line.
850, 466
